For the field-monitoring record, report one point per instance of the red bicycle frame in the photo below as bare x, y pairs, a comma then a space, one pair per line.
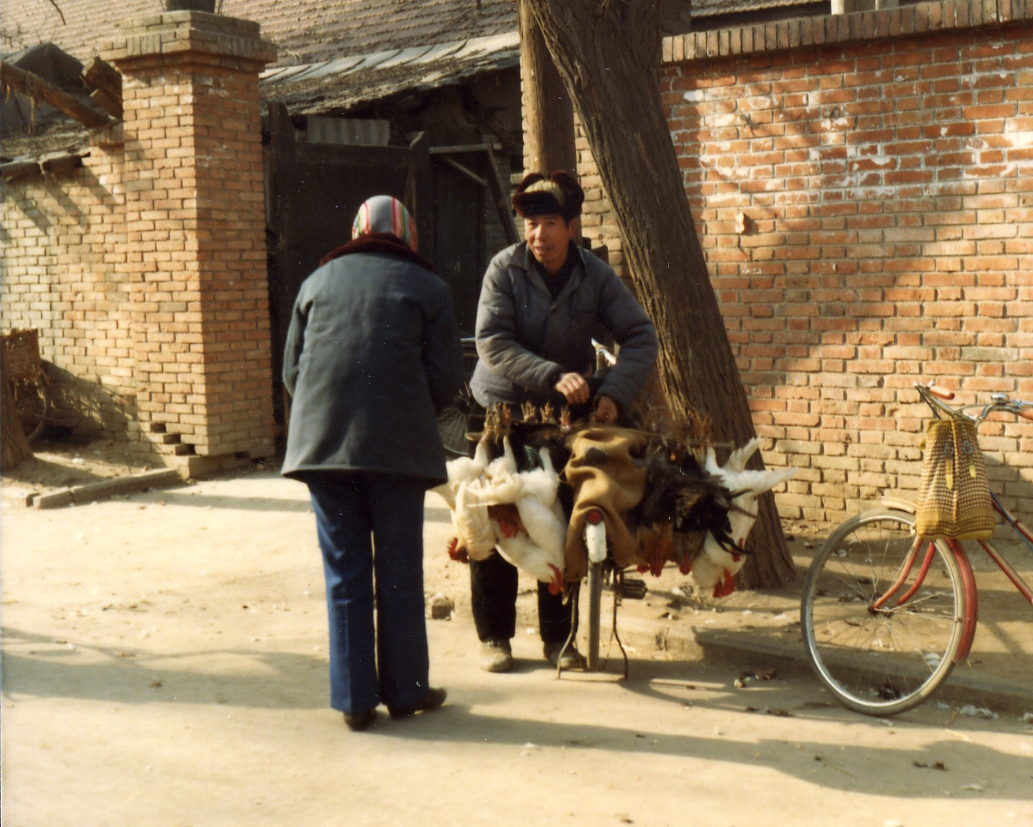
968, 580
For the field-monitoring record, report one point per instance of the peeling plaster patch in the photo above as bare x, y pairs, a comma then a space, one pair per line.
839, 123
724, 120
872, 193
694, 96
873, 160
756, 103
1017, 138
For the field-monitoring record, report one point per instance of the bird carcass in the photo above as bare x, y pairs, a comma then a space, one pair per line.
496, 507
699, 513
721, 558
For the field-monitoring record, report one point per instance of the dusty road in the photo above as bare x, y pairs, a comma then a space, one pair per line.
164, 663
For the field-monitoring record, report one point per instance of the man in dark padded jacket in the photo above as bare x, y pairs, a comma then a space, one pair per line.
541, 300
372, 357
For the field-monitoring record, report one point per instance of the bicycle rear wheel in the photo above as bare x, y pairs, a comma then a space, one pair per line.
882, 658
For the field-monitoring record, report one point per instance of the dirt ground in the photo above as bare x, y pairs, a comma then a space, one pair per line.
164, 663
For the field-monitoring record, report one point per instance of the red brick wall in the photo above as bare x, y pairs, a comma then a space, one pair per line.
863, 189
146, 270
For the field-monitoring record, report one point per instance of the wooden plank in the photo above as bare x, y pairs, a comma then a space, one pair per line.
38, 89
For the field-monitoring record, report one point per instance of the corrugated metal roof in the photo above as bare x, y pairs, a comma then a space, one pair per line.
351, 80
304, 31
307, 31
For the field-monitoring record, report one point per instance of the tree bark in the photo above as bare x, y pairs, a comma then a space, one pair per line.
608, 53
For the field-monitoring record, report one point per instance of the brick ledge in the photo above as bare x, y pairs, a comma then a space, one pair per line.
843, 28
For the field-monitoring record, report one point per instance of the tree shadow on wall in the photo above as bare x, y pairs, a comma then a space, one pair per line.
83, 410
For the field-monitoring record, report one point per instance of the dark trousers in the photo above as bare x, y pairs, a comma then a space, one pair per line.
493, 586
370, 529
493, 593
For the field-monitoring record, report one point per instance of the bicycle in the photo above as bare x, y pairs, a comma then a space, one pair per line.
886, 615
452, 426
452, 420
603, 573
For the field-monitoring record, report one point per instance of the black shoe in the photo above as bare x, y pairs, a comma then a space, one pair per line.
358, 721
431, 701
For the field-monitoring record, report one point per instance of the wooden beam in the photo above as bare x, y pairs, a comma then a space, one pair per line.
422, 194
13, 170
473, 176
60, 162
500, 193
38, 89
106, 83
463, 148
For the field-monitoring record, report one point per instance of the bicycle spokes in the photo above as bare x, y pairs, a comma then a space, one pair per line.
881, 613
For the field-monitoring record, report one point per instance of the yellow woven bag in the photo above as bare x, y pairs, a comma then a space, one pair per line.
954, 495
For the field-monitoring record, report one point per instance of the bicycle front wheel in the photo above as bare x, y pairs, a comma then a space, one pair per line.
452, 428
879, 650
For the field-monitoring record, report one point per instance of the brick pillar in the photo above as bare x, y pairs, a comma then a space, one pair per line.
195, 224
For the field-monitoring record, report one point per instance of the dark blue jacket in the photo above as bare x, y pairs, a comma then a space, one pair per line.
372, 356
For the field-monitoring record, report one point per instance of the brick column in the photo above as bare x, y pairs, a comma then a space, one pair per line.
195, 224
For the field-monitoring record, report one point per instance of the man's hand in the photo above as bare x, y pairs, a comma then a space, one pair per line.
605, 411
574, 387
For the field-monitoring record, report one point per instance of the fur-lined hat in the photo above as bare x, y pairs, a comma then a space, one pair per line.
559, 193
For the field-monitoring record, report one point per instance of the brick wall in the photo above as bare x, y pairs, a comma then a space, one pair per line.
157, 290
863, 189
63, 272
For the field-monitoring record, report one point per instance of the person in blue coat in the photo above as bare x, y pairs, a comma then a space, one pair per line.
541, 302
372, 356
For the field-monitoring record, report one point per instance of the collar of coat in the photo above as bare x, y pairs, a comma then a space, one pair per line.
378, 243
525, 260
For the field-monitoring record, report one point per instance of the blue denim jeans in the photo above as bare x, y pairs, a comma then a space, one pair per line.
370, 529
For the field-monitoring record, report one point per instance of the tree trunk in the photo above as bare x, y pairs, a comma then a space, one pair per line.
14, 447
548, 110
608, 53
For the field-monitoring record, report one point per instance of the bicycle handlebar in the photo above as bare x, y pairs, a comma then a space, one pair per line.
935, 396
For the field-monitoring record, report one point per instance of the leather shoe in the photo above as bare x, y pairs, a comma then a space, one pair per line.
568, 658
431, 701
496, 656
358, 721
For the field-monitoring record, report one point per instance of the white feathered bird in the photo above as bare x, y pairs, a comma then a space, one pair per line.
475, 534
537, 545
495, 506
714, 569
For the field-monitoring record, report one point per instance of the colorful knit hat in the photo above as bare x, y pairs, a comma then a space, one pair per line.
384, 214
